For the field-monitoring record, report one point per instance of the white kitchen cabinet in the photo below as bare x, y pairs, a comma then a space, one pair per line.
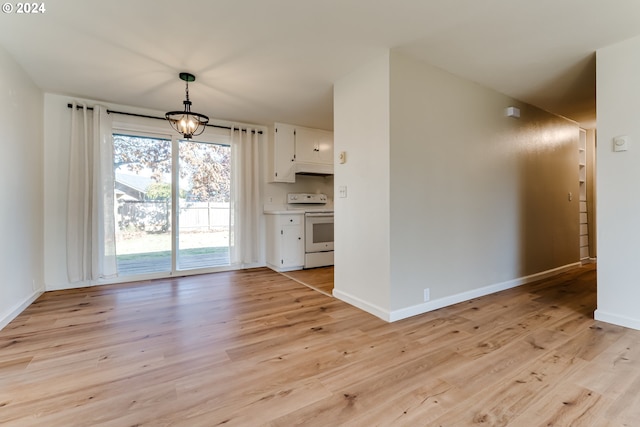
314, 146
299, 149
285, 241
283, 153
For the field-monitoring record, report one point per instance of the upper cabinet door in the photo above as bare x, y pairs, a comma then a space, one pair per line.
306, 145
292, 147
314, 146
325, 146
284, 153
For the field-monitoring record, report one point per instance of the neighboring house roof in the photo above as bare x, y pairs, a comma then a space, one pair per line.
134, 181
133, 185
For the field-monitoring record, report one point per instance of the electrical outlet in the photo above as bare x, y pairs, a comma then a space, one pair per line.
427, 295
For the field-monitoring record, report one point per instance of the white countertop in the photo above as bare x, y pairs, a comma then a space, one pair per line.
283, 210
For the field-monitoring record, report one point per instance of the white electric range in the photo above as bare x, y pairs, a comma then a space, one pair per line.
318, 226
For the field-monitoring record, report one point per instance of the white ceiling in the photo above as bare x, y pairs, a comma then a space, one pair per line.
261, 61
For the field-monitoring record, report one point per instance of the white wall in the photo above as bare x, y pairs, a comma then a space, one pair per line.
618, 176
57, 124
21, 163
362, 244
468, 200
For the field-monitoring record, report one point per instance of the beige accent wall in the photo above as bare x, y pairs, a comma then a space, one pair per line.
471, 201
477, 198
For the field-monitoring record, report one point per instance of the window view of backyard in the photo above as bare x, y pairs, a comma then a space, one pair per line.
205, 170
143, 208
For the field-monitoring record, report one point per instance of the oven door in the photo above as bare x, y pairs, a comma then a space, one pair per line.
318, 232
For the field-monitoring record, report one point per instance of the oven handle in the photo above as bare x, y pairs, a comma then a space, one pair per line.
319, 214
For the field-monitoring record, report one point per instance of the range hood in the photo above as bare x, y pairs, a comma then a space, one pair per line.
313, 169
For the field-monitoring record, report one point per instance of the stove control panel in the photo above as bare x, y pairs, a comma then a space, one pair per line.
307, 198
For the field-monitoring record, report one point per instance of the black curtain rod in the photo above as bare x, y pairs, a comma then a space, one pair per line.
80, 107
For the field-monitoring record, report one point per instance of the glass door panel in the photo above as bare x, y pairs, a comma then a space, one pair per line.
204, 205
142, 195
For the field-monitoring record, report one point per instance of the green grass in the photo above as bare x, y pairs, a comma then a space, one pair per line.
166, 254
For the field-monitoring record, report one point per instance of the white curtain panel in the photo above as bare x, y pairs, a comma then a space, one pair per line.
103, 233
245, 206
90, 209
78, 195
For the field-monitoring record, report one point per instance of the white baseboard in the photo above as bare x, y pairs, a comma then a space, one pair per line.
14, 312
146, 277
403, 313
362, 305
615, 319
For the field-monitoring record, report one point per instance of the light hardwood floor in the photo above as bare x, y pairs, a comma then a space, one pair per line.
254, 348
320, 279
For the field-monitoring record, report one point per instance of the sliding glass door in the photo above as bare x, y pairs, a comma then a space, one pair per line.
172, 204
204, 205
142, 199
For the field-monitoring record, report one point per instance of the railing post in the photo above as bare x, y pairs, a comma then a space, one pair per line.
208, 215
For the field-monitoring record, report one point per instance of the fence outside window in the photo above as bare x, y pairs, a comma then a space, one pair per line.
154, 216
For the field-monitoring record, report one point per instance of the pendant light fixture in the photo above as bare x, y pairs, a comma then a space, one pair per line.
186, 122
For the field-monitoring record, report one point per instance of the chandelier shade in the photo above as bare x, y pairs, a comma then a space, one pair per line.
186, 122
